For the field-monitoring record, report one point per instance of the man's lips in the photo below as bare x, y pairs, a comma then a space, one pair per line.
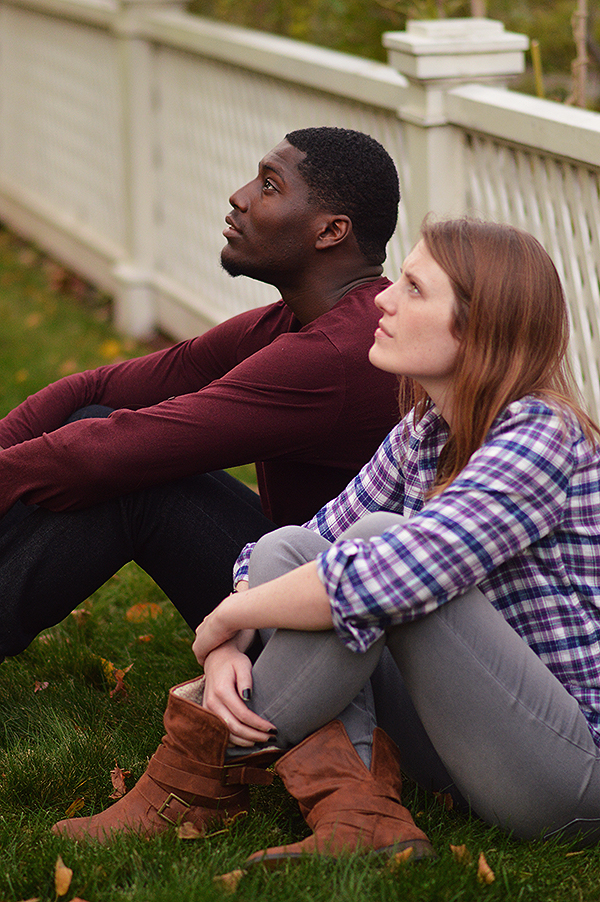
232, 229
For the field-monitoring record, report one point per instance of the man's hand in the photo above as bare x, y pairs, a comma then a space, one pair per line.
228, 680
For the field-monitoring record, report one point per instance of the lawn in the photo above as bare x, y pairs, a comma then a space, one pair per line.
89, 695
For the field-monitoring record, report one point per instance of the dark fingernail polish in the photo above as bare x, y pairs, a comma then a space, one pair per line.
272, 731
247, 695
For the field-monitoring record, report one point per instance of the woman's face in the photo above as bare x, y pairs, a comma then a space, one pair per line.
414, 336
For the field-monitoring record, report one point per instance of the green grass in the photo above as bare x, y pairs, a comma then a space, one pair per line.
59, 744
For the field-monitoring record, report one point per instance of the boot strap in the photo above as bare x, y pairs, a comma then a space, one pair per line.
196, 773
332, 811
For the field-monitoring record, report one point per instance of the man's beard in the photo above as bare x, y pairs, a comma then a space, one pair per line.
244, 268
232, 268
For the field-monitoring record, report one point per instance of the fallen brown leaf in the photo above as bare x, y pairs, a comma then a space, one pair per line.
68, 367
112, 672
111, 348
229, 882
81, 616
484, 871
75, 806
461, 854
144, 610
400, 858
62, 877
444, 799
188, 831
117, 777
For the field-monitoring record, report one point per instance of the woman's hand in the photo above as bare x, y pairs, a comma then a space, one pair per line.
212, 632
296, 600
228, 679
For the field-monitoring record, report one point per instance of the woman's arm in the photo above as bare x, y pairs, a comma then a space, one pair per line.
296, 600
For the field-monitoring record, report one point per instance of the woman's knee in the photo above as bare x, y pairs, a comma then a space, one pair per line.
283, 550
373, 525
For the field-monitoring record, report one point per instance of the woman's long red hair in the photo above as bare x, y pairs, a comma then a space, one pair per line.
513, 326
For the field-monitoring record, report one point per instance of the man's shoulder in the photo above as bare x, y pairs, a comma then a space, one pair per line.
354, 317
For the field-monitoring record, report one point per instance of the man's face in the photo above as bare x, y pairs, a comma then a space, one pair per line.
271, 229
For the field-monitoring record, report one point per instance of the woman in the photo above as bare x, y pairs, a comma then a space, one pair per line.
469, 546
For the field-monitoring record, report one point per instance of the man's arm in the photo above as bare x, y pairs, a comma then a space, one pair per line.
270, 404
133, 384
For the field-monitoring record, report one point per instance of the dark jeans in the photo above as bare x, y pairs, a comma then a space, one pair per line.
185, 534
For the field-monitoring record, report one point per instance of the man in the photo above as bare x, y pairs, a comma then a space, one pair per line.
288, 386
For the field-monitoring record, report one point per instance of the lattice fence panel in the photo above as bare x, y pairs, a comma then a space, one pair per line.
214, 122
61, 130
559, 202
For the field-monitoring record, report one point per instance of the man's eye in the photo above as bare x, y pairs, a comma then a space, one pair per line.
268, 185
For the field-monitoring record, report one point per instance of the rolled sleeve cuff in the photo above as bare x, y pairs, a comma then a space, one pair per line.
240, 568
349, 613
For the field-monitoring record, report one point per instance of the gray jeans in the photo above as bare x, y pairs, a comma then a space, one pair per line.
473, 709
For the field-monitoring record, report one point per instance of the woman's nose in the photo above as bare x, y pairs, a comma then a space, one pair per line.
384, 301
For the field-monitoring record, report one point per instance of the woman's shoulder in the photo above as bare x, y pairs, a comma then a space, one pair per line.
540, 419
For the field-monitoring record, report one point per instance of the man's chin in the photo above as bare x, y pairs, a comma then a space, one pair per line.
231, 266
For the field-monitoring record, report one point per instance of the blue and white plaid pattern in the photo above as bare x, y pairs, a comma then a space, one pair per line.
522, 522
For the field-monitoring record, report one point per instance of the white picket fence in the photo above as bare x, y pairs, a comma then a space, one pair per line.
125, 125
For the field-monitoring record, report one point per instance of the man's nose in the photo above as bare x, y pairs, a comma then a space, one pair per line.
239, 198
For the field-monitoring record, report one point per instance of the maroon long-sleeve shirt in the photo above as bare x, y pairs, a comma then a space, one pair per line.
304, 403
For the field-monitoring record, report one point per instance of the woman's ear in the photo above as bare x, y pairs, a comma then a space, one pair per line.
333, 231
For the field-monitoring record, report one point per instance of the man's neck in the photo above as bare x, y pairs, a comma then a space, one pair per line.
313, 299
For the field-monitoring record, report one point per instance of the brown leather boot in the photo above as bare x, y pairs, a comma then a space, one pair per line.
348, 808
187, 780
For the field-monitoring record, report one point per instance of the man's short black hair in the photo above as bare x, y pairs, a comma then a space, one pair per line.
350, 172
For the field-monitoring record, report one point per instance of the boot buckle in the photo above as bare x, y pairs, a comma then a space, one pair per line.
172, 798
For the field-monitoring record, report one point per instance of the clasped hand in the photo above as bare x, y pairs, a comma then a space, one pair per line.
228, 676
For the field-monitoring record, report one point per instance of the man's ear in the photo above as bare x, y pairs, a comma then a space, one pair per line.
334, 230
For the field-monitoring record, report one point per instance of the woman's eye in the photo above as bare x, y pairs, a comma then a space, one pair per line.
413, 288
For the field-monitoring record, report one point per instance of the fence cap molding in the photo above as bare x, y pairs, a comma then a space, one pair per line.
543, 125
456, 49
284, 58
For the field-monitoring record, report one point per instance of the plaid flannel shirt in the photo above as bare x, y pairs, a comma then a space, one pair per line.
521, 521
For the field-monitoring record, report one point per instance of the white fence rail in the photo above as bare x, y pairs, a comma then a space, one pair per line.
125, 125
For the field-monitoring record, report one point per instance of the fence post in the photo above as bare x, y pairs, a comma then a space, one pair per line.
435, 56
134, 302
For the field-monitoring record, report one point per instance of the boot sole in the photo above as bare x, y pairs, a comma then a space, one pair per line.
421, 850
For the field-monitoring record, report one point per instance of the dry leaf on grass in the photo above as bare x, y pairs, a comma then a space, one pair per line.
39, 685
461, 854
145, 610
484, 871
117, 777
229, 882
62, 877
444, 799
188, 831
81, 616
114, 673
75, 806
400, 858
